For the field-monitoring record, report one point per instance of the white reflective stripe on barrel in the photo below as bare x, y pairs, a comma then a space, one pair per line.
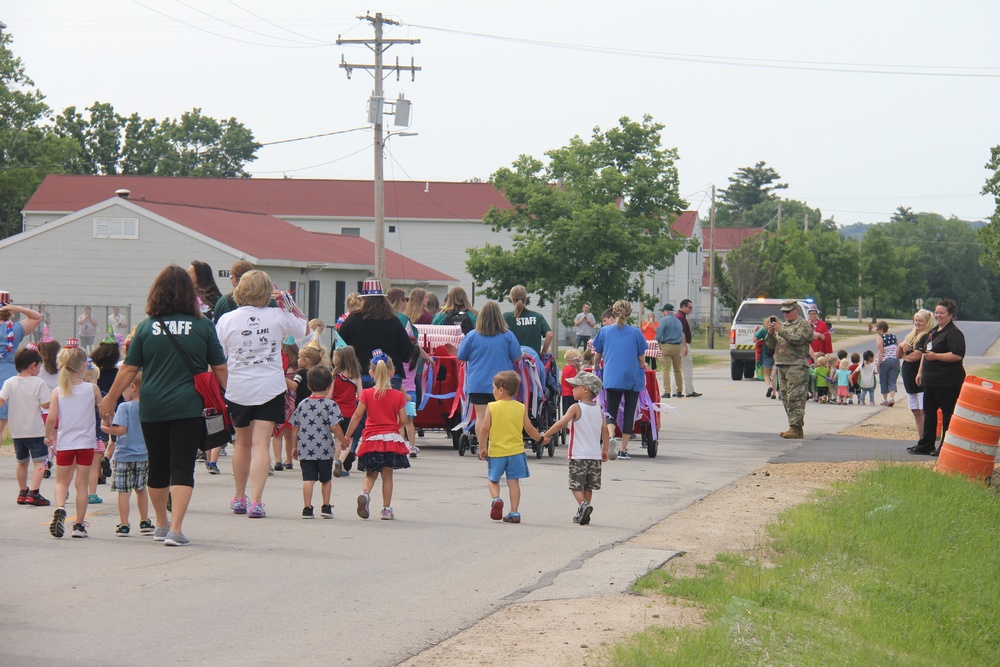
978, 417
969, 445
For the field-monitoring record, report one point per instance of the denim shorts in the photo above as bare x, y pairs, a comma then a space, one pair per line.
34, 449
515, 466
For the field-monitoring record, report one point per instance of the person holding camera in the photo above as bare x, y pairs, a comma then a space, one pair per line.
790, 341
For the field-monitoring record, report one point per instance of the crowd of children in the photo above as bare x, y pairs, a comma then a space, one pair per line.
841, 379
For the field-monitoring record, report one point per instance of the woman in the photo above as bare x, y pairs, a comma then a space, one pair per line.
432, 306
528, 326
11, 335
171, 409
86, 329
415, 310
888, 364
940, 373
767, 362
489, 349
376, 327
251, 336
624, 352
205, 288
649, 328
909, 355
456, 310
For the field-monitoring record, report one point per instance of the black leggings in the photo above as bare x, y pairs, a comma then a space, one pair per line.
614, 397
934, 398
172, 447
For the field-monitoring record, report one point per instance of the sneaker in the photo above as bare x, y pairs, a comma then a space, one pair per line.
289, 466
338, 468
496, 509
586, 510
513, 517
213, 468
106, 467
160, 534
349, 461
579, 512
200, 456
37, 499
613, 449
387, 514
121, 530
363, 501
623, 456
344, 473
146, 527
256, 511
22, 497
80, 529
173, 539
270, 471
223, 452
94, 499
58, 525
102, 479
414, 450
326, 511
307, 512
278, 466
239, 506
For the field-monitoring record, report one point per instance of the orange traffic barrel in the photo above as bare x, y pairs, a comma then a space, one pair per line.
970, 444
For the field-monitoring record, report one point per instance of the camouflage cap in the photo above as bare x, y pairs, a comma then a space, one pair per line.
788, 305
587, 380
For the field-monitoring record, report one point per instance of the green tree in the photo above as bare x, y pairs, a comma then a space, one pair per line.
747, 271
990, 234
882, 269
748, 187
590, 221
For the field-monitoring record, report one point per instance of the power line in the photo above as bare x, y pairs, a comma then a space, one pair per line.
276, 25
239, 27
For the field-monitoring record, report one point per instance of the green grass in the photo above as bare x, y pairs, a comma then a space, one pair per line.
897, 568
988, 373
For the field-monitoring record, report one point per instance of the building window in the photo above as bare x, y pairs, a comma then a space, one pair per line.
116, 228
350, 231
392, 229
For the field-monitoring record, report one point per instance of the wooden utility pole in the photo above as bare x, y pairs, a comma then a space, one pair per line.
377, 102
711, 274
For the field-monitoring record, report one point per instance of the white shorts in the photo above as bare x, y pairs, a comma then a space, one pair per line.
915, 401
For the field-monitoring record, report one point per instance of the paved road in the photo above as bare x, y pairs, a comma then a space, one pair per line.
979, 338
346, 591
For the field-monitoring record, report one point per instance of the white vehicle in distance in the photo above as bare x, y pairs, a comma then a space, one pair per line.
749, 318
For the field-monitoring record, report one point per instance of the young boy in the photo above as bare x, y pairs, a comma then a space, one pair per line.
129, 460
315, 423
28, 394
504, 447
588, 443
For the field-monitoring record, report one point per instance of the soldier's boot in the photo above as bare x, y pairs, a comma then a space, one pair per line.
793, 433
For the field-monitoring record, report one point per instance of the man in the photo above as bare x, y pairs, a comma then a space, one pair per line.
686, 366
584, 324
791, 342
670, 336
823, 344
118, 322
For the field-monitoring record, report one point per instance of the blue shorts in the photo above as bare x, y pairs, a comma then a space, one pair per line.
30, 448
514, 466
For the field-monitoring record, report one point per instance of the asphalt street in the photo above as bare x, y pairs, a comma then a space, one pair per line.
347, 591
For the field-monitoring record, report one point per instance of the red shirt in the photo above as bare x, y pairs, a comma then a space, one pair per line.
823, 345
382, 411
568, 371
345, 395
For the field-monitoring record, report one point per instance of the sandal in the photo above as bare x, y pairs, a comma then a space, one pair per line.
513, 517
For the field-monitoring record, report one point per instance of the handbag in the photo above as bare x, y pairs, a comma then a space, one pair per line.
218, 425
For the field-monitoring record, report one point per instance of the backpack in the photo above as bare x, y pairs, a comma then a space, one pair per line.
461, 318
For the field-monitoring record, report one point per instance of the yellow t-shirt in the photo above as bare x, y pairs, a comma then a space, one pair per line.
507, 419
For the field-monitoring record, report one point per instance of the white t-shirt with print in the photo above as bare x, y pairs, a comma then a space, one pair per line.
251, 338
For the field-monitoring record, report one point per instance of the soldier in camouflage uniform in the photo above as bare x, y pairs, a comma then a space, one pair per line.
791, 342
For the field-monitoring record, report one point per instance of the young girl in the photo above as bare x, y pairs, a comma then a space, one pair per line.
345, 391
843, 382
73, 405
105, 357
574, 360
382, 449
291, 361
822, 379
866, 377
409, 432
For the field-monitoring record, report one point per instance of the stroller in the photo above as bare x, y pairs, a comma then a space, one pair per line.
540, 393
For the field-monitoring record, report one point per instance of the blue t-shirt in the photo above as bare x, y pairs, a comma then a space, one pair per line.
315, 417
7, 369
487, 356
621, 349
131, 446
843, 377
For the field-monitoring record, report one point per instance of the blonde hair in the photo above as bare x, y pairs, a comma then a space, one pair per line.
490, 321
915, 335
137, 380
352, 302
621, 311
317, 323
456, 301
821, 360
572, 354
519, 297
91, 375
72, 360
415, 306
312, 354
383, 376
345, 362
845, 364
254, 289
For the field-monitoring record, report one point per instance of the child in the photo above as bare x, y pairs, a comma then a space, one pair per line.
27, 395
588, 360
843, 381
129, 459
504, 445
346, 390
92, 375
588, 443
822, 379
409, 432
105, 357
315, 423
855, 389
573, 362
72, 405
866, 377
382, 449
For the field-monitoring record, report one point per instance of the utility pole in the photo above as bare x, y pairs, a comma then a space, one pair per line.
377, 103
711, 274
779, 216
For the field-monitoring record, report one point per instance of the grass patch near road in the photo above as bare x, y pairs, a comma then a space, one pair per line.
988, 372
896, 568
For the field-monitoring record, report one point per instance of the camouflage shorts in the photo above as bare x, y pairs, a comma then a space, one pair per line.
584, 475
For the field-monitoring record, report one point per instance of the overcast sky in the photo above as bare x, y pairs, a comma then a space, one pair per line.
734, 82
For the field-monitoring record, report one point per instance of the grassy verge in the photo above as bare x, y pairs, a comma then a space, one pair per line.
988, 372
897, 568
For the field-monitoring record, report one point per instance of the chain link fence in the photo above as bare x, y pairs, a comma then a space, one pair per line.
88, 323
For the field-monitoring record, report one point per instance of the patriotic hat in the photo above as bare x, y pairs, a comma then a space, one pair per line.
31, 346
371, 288
72, 342
378, 355
47, 335
4, 298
